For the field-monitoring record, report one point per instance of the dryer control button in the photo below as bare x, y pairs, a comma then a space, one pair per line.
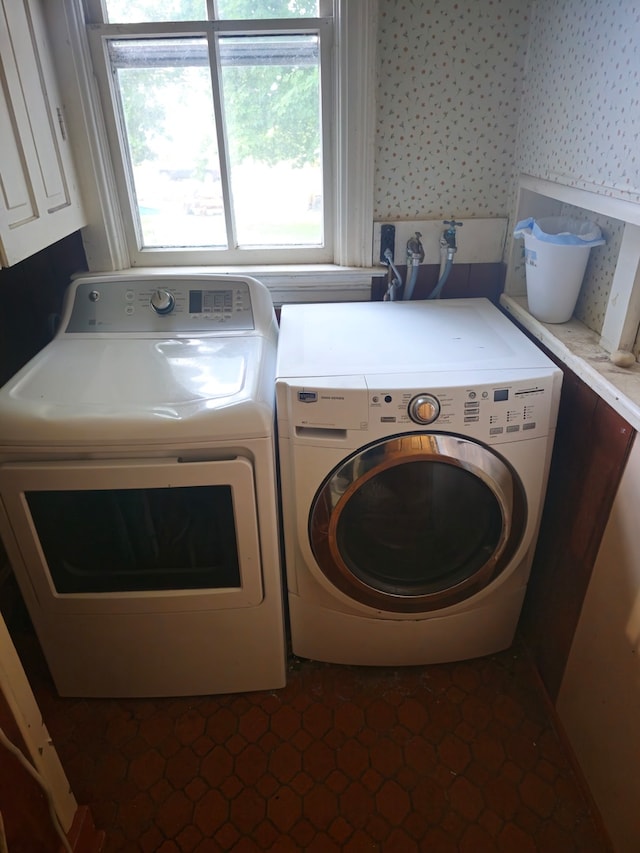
424, 409
162, 301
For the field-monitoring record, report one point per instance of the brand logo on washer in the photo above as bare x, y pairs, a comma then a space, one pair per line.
308, 396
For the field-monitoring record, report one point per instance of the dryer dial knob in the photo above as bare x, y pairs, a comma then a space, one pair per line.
162, 301
424, 409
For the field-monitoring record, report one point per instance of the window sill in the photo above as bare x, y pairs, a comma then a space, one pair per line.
578, 347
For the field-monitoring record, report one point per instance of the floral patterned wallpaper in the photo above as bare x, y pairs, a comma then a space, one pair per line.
580, 118
467, 89
580, 111
598, 278
449, 91
471, 93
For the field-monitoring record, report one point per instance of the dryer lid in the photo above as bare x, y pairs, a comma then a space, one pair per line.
115, 391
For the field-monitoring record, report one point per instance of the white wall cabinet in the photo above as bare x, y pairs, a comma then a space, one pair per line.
39, 197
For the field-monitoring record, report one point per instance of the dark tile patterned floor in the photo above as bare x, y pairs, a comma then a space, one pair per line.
459, 758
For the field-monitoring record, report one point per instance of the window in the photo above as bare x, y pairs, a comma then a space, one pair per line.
228, 129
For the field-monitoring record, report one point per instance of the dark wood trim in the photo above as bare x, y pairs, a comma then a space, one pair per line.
591, 449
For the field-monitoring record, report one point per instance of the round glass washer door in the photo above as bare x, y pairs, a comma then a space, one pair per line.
417, 522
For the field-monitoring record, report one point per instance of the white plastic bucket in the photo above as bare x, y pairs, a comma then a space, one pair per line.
554, 274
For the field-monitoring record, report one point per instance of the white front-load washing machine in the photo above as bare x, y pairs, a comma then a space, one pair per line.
415, 440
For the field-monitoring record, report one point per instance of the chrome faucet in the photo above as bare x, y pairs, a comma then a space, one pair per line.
448, 239
395, 282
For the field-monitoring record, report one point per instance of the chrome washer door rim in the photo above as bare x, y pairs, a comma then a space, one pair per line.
359, 469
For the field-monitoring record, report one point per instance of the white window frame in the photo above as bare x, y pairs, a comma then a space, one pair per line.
105, 238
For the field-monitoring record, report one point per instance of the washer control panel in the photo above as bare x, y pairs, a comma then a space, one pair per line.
504, 411
155, 305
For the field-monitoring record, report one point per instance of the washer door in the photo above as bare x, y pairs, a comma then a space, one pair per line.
417, 522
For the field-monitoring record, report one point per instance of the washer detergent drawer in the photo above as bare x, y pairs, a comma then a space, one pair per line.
133, 536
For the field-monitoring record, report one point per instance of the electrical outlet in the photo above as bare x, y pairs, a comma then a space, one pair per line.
387, 241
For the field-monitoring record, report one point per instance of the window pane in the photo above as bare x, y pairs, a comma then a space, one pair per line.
167, 106
138, 11
243, 9
271, 96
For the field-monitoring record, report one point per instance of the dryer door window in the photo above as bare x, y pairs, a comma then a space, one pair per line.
135, 535
417, 522
127, 540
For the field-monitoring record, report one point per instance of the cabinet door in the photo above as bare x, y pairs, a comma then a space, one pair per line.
591, 448
40, 202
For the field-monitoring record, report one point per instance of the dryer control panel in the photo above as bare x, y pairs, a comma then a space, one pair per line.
147, 306
166, 305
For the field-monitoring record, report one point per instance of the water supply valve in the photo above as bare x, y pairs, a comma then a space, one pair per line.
449, 236
415, 250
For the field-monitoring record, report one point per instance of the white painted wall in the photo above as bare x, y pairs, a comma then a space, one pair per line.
599, 701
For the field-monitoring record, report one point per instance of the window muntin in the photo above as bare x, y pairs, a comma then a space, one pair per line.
221, 138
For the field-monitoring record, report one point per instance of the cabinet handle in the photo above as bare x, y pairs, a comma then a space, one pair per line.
61, 123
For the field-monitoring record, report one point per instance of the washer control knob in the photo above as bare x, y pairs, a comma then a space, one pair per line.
424, 409
162, 301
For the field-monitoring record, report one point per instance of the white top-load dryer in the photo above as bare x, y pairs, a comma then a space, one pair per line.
138, 492
415, 441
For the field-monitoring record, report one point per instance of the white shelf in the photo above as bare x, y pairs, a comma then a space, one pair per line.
596, 202
579, 348
584, 351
